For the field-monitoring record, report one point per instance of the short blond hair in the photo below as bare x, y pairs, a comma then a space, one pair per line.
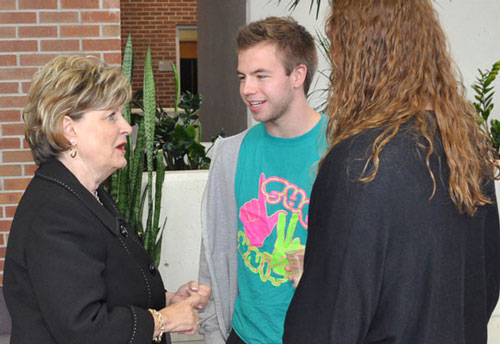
69, 86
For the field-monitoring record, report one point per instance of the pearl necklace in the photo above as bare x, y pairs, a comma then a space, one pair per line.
97, 198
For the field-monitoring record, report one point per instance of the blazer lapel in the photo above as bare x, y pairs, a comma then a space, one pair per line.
54, 171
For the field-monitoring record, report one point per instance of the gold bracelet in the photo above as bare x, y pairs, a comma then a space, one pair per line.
158, 316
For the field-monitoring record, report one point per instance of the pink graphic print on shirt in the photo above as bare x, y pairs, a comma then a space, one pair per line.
258, 225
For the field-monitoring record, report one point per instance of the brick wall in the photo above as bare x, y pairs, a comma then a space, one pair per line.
154, 22
31, 33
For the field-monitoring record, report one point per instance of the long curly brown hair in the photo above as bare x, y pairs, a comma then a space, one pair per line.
390, 64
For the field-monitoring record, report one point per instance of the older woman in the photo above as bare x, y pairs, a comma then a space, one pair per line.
75, 271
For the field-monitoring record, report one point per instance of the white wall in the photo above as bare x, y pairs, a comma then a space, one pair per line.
473, 32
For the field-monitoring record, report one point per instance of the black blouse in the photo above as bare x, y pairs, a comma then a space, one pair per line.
386, 264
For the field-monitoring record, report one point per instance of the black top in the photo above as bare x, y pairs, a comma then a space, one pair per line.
74, 270
383, 263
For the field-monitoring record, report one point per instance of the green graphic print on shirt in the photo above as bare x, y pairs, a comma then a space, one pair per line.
258, 225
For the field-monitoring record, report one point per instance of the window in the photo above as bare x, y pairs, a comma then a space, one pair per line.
188, 58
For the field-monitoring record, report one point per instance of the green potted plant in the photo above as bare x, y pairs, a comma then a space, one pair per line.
179, 135
164, 211
127, 186
484, 90
178, 132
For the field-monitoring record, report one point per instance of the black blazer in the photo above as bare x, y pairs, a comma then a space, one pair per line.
75, 271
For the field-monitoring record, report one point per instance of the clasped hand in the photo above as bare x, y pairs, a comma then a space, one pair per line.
181, 313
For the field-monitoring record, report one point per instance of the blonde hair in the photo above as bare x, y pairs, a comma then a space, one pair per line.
390, 61
294, 43
69, 86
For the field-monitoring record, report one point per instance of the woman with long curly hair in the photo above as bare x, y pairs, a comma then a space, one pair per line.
404, 239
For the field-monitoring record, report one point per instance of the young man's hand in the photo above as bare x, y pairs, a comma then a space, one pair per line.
188, 289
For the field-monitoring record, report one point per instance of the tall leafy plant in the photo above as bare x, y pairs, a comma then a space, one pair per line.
178, 135
178, 132
484, 90
126, 184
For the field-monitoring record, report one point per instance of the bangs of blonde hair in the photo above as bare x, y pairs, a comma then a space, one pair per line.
69, 86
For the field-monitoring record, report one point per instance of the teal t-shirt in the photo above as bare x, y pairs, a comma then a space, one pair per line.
273, 182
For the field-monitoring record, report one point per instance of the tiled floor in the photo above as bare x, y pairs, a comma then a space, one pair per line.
184, 339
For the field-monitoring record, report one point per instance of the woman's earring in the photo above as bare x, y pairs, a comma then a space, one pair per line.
74, 149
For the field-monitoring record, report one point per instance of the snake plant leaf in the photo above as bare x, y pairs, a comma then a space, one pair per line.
177, 84
118, 182
127, 71
123, 189
138, 220
135, 176
149, 108
127, 58
115, 184
149, 128
156, 231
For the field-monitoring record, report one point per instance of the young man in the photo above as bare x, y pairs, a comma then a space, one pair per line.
256, 200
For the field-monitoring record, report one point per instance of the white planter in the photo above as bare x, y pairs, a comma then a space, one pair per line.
181, 205
180, 252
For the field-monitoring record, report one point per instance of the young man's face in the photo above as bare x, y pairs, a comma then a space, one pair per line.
264, 86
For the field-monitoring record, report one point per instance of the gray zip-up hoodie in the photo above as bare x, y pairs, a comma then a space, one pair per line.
218, 257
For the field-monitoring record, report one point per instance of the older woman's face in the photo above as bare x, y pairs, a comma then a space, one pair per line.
101, 139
